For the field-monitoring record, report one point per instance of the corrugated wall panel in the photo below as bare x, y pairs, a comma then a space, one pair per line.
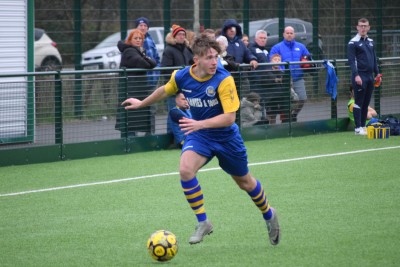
13, 58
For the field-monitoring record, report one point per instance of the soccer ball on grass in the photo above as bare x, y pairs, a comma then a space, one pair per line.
162, 245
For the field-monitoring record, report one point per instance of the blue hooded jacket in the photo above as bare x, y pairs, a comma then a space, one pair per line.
236, 47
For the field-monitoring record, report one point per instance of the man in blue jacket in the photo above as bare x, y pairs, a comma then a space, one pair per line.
290, 50
362, 60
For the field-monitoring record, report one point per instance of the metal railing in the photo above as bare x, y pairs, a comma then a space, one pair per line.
58, 109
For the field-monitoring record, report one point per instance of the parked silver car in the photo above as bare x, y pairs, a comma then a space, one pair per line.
106, 54
303, 31
46, 55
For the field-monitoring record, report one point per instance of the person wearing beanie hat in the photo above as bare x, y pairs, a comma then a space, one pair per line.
176, 29
143, 25
150, 47
142, 20
177, 53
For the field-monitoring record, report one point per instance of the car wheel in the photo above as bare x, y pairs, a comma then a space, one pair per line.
50, 64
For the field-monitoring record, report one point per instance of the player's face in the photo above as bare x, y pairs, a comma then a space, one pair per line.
208, 63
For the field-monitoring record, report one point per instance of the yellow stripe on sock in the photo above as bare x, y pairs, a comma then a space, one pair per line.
194, 195
197, 204
200, 211
267, 209
259, 194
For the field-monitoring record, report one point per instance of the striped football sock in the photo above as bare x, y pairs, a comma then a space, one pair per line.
260, 199
194, 196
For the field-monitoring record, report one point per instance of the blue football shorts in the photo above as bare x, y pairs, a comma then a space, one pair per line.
232, 155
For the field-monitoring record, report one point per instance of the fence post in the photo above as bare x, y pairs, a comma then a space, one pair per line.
58, 113
315, 41
207, 14
77, 59
123, 19
379, 27
281, 16
167, 17
289, 114
246, 16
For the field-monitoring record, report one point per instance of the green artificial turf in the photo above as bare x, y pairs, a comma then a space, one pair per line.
337, 196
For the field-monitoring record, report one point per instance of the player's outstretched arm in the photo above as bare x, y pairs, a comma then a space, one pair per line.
223, 120
134, 103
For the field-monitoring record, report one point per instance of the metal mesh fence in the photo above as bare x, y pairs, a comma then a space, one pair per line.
72, 106
78, 107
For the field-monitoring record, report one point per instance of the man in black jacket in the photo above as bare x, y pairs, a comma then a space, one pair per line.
362, 60
177, 53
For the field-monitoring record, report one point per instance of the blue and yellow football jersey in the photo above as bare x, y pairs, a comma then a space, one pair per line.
207, 97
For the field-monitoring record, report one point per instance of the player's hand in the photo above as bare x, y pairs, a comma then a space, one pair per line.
189, 125
131, 103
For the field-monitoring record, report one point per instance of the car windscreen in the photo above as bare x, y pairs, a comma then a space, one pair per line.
38, 33
111, 40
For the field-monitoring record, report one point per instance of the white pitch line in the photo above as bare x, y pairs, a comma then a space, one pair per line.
202, 170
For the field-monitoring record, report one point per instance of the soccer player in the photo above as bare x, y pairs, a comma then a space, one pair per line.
212, 131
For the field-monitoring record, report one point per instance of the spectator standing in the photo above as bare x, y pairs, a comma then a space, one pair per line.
190, 36
258, 47
143, 24
134, 56
277, 86
363, 63
226, 60
236, 48
257, 78
290, 51
177, 53
245, 39
210, 33
233, 33
181, 110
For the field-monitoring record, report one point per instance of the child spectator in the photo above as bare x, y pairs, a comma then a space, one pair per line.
250, 110
175, 114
